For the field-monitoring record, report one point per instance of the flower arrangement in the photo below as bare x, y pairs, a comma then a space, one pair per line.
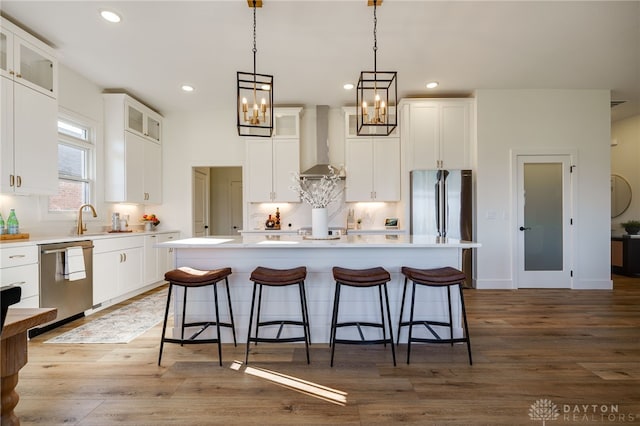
151, 218
319, 193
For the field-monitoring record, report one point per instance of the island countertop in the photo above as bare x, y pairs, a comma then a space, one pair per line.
304, 242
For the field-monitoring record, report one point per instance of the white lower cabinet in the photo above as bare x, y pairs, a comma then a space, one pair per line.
19, 267
157, 261
117, 267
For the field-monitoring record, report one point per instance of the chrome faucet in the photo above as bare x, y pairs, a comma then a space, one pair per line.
81, 229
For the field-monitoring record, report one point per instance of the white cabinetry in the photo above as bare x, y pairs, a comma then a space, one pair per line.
157, 261
26, 60
438, 133
28, 114
270, 161
133, 151
19, 267
373, 169
117, 267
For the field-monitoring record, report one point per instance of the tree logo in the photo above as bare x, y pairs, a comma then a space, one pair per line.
544, 409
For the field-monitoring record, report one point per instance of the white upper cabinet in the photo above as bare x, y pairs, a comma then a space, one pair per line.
28, 115
142, 120
269, 162
373, 169
438, 133
26, 60
269, 165
133, 154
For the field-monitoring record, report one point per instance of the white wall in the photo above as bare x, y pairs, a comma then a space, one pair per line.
548, 120
625, 157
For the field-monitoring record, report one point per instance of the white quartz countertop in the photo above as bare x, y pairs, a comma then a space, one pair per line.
297, 241
52, 239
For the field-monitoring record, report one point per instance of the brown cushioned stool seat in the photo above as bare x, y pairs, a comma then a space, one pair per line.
186, 278
360, 278
261, 277
436, 277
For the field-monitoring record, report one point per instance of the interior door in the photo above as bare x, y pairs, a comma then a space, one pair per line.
236, 206
544, 221
200, 203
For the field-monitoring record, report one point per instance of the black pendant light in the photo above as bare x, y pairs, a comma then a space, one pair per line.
376, 97
255, 95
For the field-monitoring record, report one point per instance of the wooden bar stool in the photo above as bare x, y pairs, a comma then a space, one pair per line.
361, 278
190, 278
438, 277
261, 277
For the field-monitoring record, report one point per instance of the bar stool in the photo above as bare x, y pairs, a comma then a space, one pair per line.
262, 276
438, 277
361, 278
190, 278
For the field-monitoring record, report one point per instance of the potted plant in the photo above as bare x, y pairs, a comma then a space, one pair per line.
631, 226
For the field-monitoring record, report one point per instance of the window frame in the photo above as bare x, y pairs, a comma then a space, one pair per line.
90, 146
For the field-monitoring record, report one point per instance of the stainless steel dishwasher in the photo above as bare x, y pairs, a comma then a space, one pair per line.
70, 293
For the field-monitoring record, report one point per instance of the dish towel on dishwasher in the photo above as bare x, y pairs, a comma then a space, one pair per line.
74, 264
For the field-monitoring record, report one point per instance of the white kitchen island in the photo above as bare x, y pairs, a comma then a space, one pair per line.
244, 253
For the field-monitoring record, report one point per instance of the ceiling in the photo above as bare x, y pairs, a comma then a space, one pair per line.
313, 47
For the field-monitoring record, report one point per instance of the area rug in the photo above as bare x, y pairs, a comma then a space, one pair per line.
120, 326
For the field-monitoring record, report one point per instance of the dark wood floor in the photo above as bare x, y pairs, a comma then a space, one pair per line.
580, 350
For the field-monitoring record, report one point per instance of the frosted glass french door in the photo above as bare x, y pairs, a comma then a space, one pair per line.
544, 221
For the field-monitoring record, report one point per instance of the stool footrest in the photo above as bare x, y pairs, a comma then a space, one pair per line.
424, 340
190, 341
278, 339
363, 342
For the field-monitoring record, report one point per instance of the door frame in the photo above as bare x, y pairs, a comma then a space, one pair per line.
572, 155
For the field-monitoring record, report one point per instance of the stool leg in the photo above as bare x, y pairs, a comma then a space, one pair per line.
384, 330
404, 293
334, 320
466, 326
258, 319
450, 316
184, 314
215, 299
164, 324
413, 304
393, 349
233, 325
306, 312
253, 300
305, 321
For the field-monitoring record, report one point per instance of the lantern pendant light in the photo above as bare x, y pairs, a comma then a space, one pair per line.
376, 96
255, 95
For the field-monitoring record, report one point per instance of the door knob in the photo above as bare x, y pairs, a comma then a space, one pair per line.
522, 228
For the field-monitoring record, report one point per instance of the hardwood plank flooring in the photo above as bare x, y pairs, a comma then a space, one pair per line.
578, 349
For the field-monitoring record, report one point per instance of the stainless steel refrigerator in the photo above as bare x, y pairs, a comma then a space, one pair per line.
442, 205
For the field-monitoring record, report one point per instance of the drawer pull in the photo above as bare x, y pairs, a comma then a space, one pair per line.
16, 256
18, 283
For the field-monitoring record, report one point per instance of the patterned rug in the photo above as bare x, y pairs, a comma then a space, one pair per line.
120, 326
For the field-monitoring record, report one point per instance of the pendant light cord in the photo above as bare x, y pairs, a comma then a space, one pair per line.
375, 36
255, 49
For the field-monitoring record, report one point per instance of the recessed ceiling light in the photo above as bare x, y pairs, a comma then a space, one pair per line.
187, 88
348, 86
110, 16
432, 84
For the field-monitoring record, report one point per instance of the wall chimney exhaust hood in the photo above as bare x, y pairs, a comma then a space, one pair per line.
321, 167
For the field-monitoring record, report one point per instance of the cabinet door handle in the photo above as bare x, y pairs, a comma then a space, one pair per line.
125, 256
11, 72
19, 181
19, 75
12, 180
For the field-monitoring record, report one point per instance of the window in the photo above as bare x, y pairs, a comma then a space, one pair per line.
75, 154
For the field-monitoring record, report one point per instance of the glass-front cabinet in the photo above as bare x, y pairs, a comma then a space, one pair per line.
26, 60
142, 120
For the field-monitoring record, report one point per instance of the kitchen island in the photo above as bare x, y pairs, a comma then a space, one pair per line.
244, 253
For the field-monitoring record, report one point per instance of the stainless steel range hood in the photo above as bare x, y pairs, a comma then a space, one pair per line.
321, 167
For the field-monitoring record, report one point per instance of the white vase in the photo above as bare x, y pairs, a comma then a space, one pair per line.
319, 223
148, 226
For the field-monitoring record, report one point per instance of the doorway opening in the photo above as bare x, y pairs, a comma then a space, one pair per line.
217, 201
